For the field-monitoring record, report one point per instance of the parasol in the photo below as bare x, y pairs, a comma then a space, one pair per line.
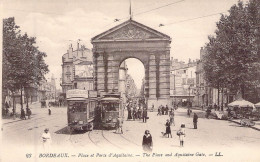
257, 105
241, 103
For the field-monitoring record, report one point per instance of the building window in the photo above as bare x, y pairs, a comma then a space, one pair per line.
183, 81
68, 78
68, 68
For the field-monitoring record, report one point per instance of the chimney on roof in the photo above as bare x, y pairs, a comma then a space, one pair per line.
201, 52
70, 51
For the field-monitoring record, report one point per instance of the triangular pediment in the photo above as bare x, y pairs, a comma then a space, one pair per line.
130, 30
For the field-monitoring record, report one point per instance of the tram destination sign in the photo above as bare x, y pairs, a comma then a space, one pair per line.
77, 93
92, 94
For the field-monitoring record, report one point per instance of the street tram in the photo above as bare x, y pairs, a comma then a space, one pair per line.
81, 109
111, 109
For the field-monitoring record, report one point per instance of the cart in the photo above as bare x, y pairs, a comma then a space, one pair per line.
43, 104
247, 122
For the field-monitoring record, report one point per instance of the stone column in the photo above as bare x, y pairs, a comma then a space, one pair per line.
152, 77
112, 74
100, 73
94, 70
152, 81
164, 76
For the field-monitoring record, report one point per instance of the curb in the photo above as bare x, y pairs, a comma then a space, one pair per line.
12, 121
258, 129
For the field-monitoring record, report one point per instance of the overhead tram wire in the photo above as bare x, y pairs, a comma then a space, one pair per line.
158, 8
139, 8
161, 25
119, 19
140, 13
115, 20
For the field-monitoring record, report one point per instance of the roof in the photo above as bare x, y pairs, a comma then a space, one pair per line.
141, 29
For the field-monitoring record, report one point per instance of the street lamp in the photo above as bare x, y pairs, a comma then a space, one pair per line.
189, 95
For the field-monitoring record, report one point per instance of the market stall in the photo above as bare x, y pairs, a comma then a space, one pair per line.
241, 109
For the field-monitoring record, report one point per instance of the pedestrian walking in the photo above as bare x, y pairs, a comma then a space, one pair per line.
171, 115
163, 110
6, 109
208, 111
215, 106
168, 128
49, 110
132, 112
152, 108
181, 133
189, 111
147, 141
195, 120
159, 111
166, 110
28, 113
139, 113
46, 139
23, 114
145, 115
202, 107
119, 125
129, 114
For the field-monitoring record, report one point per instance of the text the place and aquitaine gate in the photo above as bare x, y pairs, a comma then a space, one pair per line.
133, 40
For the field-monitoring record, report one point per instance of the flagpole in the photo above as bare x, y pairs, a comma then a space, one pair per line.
130, 10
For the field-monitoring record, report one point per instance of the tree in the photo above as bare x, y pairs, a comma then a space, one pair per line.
232, 58
10, 60
23, 63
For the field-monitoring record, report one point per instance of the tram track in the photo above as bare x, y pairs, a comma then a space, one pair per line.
101, 138
92, 140
109, 141
129, 140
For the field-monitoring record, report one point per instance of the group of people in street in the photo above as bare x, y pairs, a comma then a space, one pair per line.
147, 143
137, 113
28, 113
169, 123
163, 110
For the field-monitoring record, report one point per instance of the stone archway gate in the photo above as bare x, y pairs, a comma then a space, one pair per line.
133, 40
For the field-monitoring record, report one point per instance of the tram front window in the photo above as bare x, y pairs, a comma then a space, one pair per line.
78, 107
110, 106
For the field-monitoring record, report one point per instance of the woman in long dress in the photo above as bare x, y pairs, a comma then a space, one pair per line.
168, 128
46, 139
147, 141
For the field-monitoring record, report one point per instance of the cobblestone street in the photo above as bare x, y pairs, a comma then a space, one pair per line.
226, 135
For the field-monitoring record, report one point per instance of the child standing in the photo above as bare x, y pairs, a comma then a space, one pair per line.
182, 134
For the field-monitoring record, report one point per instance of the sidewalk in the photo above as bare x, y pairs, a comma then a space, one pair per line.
237, 121
32, 106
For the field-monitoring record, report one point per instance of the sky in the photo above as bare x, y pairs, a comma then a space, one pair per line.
57, 24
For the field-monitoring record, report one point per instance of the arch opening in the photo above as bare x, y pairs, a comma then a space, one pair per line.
131, 80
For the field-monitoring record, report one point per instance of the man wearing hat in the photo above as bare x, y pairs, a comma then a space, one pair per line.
46, 138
